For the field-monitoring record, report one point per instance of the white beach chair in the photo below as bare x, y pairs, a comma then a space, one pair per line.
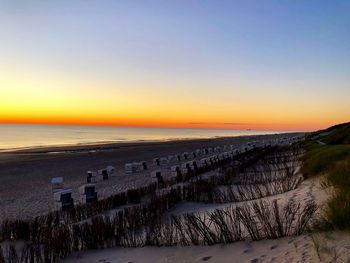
186, 167
144, 165
185, 155
137, 167
172, 158
195, 164
217, 149
178, 157
156, 176
130, 168
88, 193
110, 170
175, 170
91, 177
156, 161
63, 199
57, 183
163, 161
103, 173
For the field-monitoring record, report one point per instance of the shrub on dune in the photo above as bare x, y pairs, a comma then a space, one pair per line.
338, 210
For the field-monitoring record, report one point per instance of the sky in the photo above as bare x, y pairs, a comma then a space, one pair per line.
201, 64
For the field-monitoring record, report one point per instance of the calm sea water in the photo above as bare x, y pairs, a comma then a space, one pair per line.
28, 136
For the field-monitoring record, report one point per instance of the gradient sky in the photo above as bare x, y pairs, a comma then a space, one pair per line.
219, 64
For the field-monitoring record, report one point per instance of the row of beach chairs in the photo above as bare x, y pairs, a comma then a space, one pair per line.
103, 174
193, 165
87, 193
191, 160
136, 167
63, 199
179, 163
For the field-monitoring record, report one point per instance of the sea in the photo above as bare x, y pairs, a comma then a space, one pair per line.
24, 136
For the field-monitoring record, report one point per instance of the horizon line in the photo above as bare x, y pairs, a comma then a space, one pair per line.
159, 126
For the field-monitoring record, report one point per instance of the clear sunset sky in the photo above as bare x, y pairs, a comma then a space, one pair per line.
183, 63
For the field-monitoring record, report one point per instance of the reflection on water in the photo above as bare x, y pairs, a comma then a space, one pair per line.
23, 136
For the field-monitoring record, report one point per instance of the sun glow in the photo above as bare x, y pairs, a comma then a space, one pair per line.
44, 99
133, 66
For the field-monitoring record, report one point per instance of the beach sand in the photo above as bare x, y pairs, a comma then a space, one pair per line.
289, 250
25, 175
312, 247
25, 192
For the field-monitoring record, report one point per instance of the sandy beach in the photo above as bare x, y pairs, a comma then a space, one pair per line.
174, 131
31, 195
25, 175
312, 247
286, 250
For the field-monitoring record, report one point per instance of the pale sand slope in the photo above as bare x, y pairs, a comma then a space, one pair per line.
289, 249
308, 188
313, 247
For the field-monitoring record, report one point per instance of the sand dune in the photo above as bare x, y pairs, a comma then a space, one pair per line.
290, 249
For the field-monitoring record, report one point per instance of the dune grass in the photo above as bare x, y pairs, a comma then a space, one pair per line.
335, 135
339, 174
337, 211
319, 159
339, 135
338, 207
333, 163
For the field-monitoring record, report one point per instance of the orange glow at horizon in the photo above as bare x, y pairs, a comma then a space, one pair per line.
47, 99
173, 64
134, 122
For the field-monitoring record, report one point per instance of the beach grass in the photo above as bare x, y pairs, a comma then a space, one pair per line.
320, 159
338, 207
332, 162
